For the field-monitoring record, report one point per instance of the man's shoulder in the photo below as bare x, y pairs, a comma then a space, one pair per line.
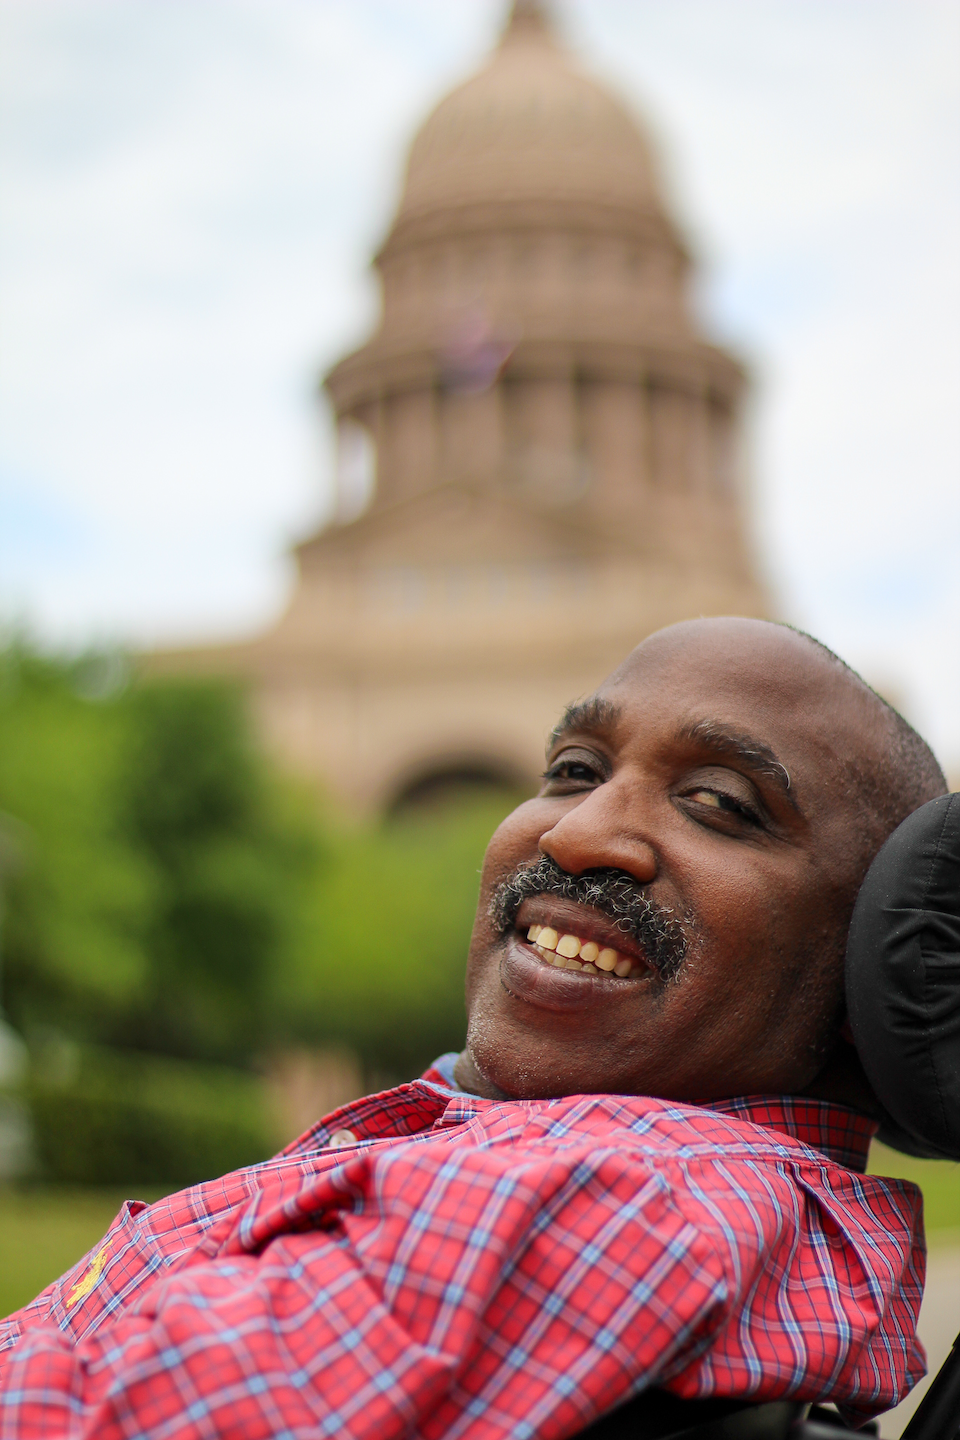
772, 1153
767, 1128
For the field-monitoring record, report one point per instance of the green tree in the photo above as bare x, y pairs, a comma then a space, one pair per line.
177, 897
77, 897
233, 851
379, 964
163, 863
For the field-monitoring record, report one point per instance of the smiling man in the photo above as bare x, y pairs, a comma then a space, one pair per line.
643, 1170
704, 824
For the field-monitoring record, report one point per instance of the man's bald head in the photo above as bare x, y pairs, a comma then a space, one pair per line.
879, 764
909, 773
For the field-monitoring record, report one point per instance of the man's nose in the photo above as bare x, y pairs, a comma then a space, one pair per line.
606, 828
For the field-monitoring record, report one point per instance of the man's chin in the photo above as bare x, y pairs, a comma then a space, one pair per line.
494, 1076
536, 1032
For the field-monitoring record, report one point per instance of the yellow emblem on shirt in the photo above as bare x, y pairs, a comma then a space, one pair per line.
87, 1281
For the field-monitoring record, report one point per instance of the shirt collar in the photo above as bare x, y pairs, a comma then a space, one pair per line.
440, 1073
838, 1132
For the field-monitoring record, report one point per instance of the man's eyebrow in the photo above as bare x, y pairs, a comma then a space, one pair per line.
594, 713
752, 753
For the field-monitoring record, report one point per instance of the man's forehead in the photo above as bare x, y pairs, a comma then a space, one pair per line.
732, 649
747, 685
750, 665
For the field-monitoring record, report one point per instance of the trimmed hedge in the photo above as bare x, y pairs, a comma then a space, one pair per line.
123, 1118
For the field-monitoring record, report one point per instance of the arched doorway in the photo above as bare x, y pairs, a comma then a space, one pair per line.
445, 785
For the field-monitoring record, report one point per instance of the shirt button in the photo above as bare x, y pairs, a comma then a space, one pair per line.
340, 1138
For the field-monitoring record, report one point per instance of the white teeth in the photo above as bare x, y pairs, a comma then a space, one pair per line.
562, 951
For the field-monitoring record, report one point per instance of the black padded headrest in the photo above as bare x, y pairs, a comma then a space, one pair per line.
903, 980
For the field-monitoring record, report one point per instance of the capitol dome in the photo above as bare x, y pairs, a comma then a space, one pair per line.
530, 129
538, 450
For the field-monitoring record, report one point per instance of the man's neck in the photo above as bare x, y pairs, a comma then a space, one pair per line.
468, 1077
841, 1080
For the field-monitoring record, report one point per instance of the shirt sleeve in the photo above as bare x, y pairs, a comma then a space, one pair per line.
495, 1294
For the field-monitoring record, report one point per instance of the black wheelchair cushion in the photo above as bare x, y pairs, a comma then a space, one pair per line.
903, 980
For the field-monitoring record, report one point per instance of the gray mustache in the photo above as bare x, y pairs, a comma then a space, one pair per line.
655, 928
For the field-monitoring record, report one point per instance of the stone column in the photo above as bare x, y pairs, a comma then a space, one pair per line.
669, 443
545, 458
407, 458
471, 430
616, 428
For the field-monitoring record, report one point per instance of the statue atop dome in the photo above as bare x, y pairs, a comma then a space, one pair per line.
538, 449
527, 17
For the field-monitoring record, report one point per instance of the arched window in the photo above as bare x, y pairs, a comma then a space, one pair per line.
449, 783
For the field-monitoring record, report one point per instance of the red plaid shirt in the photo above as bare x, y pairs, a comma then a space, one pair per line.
479, 1269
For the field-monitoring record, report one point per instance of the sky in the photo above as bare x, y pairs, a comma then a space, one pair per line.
191, 190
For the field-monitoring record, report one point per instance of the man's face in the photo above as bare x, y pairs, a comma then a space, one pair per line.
703, 784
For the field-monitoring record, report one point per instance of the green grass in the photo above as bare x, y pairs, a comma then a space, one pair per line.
45, 1229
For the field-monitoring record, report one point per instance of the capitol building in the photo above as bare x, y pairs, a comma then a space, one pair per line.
539, 452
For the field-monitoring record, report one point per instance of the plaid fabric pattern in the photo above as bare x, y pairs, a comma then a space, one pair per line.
479, 1269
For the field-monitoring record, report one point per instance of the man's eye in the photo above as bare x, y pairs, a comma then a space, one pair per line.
572, 772
726, 804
